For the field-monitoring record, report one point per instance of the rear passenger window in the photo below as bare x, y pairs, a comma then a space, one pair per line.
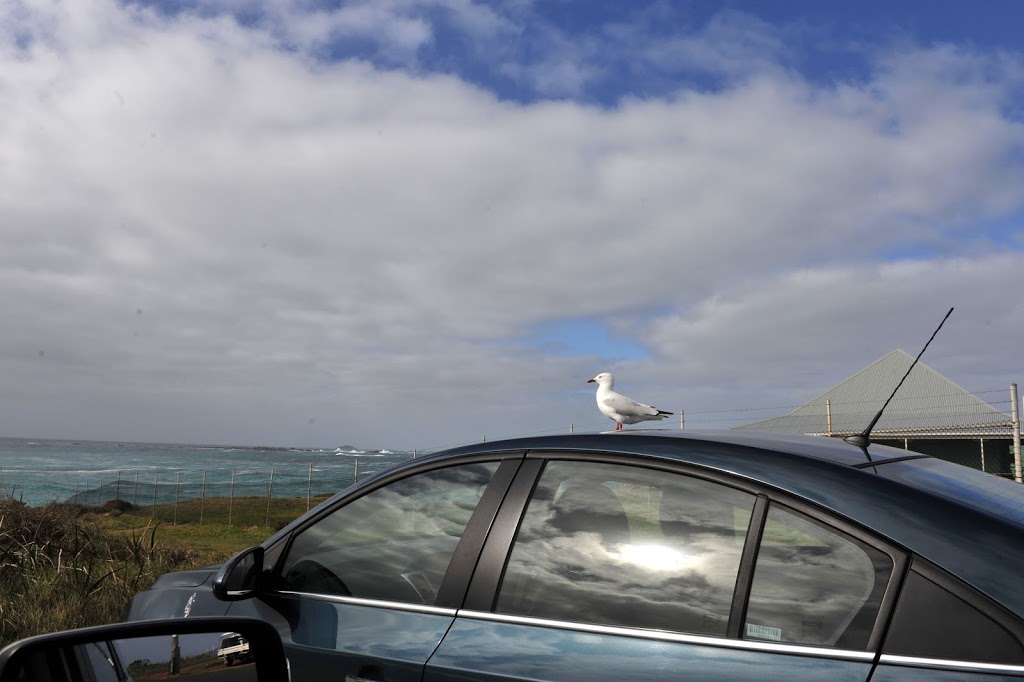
814, 584
931, 622
627, 546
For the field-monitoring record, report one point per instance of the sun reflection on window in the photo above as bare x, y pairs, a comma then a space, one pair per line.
656, 557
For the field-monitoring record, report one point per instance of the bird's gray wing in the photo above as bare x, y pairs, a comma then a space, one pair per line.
628, 407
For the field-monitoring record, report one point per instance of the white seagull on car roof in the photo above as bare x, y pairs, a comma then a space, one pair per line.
619, 408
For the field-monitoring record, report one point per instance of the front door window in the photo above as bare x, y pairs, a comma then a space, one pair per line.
392, 544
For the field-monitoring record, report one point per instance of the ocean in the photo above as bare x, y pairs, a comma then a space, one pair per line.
38, 471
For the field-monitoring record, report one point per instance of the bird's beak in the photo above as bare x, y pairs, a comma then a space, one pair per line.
590, 381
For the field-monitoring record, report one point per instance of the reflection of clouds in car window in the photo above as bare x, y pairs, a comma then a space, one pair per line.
577, 578
393, 543
645, 579
811, 582
435, 503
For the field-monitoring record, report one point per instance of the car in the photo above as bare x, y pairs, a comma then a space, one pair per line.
234, 648
641, 554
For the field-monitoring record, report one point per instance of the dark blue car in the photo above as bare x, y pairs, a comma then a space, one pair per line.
641, 555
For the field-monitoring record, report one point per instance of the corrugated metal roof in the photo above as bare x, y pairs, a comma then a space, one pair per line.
926, 404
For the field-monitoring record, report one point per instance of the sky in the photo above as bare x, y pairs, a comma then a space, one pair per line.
420, 223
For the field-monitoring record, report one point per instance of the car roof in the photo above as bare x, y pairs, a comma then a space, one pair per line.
816, 447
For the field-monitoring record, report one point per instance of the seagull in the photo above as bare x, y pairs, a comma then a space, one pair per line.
619, 408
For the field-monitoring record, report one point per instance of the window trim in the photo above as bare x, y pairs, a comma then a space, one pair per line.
671, 636
948, 664
452, 590
482, 594
745, 576
370, 603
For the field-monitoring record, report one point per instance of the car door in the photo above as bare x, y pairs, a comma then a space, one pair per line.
609, 570
367, 589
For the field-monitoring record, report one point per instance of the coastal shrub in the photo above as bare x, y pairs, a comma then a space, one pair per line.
60, 570
118, 506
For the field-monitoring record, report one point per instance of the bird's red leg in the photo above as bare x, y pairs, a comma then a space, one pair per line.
618, 426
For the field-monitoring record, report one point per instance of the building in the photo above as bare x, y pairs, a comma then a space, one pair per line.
929, 414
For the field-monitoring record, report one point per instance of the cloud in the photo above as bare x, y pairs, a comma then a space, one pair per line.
730, 45
210, 236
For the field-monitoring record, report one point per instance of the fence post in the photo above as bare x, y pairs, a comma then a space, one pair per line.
117, 487
135, 496
177, 487
155, 477
231, 496
1015, 415
270, 495
174, 666
202, 499
309, 485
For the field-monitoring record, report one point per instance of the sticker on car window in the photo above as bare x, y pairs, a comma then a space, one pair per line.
764, 632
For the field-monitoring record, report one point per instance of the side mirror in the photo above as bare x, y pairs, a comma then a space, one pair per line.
150, 649
239, 578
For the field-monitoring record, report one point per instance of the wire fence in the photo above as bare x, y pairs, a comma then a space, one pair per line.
236, 497
979, 430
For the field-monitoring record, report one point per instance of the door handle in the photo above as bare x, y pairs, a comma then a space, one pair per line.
367, 673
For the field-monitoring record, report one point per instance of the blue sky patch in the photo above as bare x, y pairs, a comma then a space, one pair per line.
586, 337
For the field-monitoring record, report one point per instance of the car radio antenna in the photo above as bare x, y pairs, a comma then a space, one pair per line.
863, 439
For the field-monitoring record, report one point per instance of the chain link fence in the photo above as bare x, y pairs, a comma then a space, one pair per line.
980, 430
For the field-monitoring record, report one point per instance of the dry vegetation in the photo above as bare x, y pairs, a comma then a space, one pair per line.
66, 566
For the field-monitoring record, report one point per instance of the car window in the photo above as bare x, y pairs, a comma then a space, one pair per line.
814, 584
394, 543
932, 622
627, 546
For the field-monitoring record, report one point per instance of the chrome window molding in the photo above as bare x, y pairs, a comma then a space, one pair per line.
665, 636
971, 666
373, 603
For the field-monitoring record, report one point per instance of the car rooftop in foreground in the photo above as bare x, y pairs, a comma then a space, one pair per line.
648, 554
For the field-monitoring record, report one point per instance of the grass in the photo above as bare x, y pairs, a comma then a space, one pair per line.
65, 566
203, 526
